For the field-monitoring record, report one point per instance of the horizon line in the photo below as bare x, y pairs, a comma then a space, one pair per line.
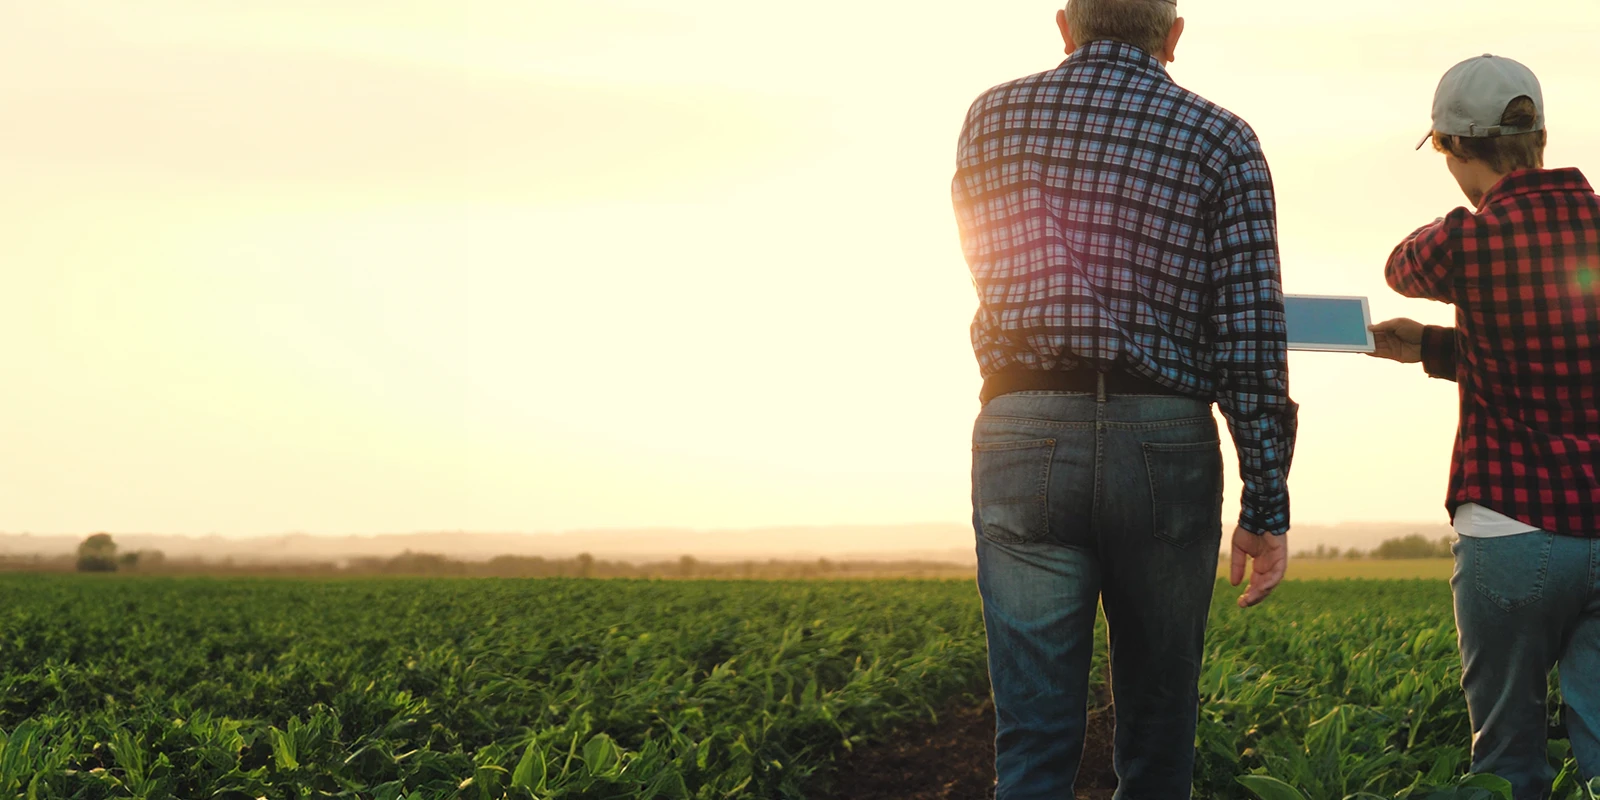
634, 529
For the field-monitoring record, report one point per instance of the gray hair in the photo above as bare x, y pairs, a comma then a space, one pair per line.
1141, 23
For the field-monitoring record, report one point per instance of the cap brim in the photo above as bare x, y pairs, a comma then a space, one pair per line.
1425, 138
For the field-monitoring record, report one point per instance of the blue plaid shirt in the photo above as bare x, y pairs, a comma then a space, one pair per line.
1114, 219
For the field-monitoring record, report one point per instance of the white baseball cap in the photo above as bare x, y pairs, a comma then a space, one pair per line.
1474, 94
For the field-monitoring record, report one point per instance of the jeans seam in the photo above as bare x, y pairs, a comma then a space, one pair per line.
1044, 493
1594, 565
1001, 447
1039, 423
1159, 425
1099, 456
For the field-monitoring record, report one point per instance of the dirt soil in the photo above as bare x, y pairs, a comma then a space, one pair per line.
953, 759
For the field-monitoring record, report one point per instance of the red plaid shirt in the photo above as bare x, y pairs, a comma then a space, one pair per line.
1524, 275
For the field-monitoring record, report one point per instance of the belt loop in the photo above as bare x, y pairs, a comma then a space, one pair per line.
1100, 386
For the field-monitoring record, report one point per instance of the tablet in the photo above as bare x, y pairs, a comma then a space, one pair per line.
1325, 322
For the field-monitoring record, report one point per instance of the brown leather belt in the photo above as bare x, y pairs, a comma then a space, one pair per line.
1077, 380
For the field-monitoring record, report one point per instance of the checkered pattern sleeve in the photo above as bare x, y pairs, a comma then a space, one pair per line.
1252, 339
1426, 264
989, 340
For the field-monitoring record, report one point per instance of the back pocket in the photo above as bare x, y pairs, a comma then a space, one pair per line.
1511, 570
1011, 489
1185, 491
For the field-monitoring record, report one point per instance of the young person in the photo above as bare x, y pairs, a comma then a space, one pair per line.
1523, 271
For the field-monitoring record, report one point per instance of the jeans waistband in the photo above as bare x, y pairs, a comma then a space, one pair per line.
1077, 380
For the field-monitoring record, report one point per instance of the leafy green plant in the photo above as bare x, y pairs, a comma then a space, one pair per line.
398, 689
557, 689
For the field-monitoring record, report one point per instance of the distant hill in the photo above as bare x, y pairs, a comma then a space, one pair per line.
928, 542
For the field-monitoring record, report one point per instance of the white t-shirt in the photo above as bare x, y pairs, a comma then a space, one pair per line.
1478, 522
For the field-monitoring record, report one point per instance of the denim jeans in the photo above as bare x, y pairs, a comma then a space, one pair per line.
1080, 500
1523, 604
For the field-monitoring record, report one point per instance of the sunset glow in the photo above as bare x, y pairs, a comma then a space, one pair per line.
368, 266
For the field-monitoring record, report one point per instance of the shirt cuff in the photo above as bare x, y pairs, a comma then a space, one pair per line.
1439, 352
1260, 519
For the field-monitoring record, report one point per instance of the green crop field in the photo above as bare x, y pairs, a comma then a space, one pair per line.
1314, 569
189, 688
119, 687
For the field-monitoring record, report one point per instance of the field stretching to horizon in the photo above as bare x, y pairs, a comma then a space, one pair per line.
123, 686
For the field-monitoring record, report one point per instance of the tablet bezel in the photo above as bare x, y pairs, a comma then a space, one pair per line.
1366, 316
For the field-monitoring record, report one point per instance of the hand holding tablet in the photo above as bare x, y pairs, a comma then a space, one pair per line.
1328, 323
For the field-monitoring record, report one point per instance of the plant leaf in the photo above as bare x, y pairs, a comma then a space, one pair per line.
1493, 783
530, 772
1267, 787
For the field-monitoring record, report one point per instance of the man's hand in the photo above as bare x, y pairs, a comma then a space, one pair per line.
1398, 340
1271, 559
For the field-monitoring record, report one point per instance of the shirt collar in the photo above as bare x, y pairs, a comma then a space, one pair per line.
1535, 181
1106, 51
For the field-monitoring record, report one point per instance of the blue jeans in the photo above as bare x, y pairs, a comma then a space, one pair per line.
1077, 501
1523, 604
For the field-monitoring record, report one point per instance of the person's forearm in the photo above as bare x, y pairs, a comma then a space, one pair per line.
1423, 264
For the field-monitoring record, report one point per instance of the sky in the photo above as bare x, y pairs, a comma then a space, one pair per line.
363, 266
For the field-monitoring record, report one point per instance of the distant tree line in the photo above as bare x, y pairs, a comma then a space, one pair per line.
1414, 546
99, 553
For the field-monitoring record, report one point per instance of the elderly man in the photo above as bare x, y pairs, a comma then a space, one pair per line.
1121, 233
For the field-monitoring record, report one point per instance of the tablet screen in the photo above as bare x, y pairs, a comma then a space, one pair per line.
1328, 323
